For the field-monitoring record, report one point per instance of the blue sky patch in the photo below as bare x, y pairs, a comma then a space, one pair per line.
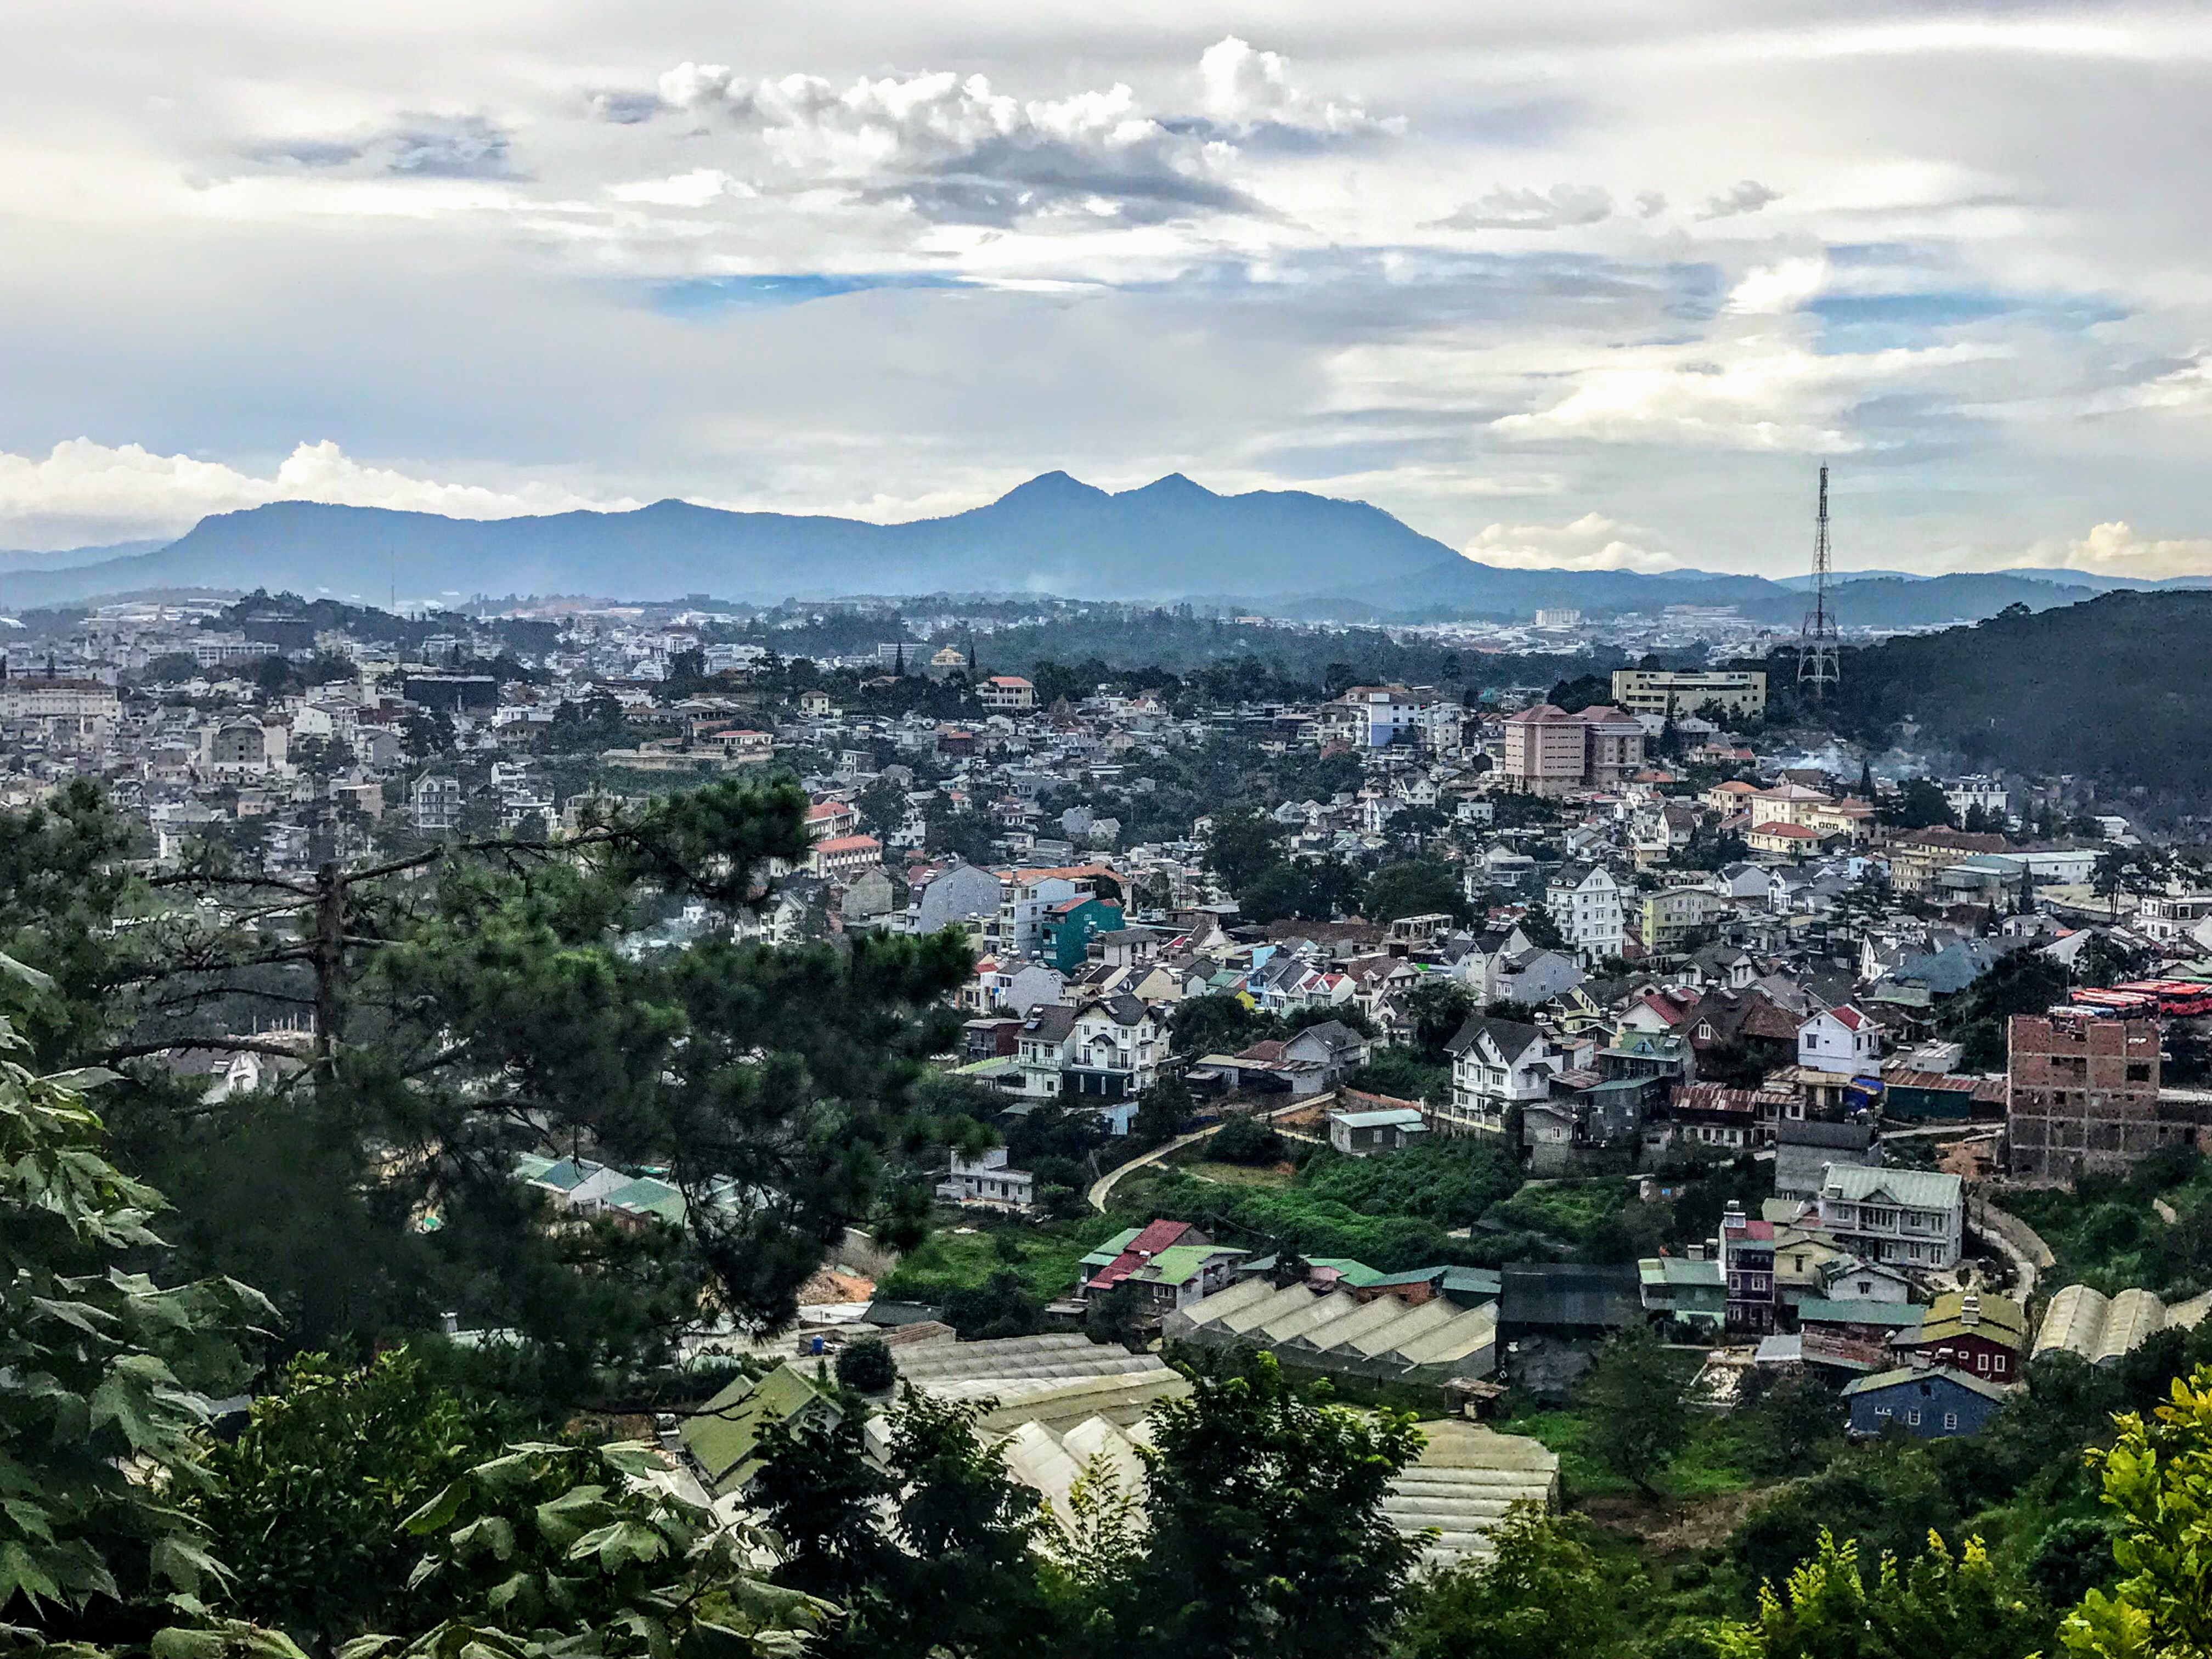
707, 296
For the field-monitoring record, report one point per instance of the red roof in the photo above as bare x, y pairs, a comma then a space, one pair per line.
850, 844
1848, 1017
1156, 1237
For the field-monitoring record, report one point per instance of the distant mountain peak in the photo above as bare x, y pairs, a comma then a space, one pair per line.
1166, 489
1052, 487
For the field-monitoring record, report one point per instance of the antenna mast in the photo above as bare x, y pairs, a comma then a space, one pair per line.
1818, 661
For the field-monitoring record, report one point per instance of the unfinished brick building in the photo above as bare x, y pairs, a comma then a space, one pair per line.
2081, 1095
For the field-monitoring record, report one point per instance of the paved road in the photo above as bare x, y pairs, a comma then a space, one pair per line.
1103, 1186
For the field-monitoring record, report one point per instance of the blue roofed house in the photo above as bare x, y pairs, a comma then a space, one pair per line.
1933, 1402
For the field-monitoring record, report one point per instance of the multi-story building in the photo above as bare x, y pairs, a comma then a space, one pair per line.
1376, 716
2082, 1096
1839, 1039
1549, 752
1905, 1217
435, 800
1918, 858
1747, 1260
1586, 902
1739, 693
1497, 1065
1115, 1050
2170, 918
74, 707
1006, 691
1667, 918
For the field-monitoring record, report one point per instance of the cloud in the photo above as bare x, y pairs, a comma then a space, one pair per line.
1247, 91
413, 146
2115, 550
1555, 208
1746, 195
86, 492
955, 151
1650, 203
1757, 395
693, 189
624, 107
2186, 388
1592, 542
1775, 290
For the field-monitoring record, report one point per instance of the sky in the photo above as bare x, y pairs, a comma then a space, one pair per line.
1587, 283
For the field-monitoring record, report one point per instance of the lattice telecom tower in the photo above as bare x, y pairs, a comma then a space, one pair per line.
1819, 663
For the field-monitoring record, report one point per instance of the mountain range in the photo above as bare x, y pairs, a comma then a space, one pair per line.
1288, 551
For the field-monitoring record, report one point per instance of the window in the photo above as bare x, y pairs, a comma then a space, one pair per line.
1884, 1411
1981, 1362
1950, 1419
1913, 1417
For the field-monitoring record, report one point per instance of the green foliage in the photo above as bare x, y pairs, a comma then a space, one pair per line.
101, 1370
1919, 805
1544, 1591
1246, 1140
305, 1505
558, 1550
2106, 1233
1414, 887
1268, 1536
867, 1366
1437, 1006
1163, 1111
1243, 844
1218, 1022
2022, 982
1932, 1603
2121, 662
1000, 1306
1634, 1396
2157, 1481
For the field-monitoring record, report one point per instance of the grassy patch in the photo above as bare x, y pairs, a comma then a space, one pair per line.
1716, 1461
2106, 1233
1241, 1175
1569, 1210
949, 1261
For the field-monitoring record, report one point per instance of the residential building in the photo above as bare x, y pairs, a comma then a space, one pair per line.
1006, 691
2082, 1096
1934, 1404
1362, 1134
434, 802
1803, 1150
1666, 920
1690, 1290
1175, 1263
1071, 924
1586, 903
1041, 1051
2171, 919
1841, 1039
1971, 1331
1746, 1255
59, 705
841, 858
1738, 694
1376, 716
1917, 858
1905, 1217
1549, 752
1498, 1066
1329, 1052
988, 1180
1115, 1048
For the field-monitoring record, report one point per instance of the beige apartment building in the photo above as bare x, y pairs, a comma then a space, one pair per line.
1549, 752
1741, 693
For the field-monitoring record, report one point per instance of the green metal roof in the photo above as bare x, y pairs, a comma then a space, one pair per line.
1891, 1379
1179, 1262
723, 1433
1104, 1255
1895, 1315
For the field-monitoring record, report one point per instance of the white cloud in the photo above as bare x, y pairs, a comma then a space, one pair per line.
1592, 542
1745, 196
693, 189
2188, 388
87, 492
2115, 550
1555, 208
1771, 290
1247, 88
954, 150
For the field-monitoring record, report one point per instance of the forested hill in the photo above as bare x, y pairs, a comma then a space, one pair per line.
2115, 689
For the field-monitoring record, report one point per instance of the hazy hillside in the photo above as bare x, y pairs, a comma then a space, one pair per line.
2113, 688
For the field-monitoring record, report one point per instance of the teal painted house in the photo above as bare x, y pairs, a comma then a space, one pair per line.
1071, 924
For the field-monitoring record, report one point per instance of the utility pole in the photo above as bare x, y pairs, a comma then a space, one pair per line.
1819, 660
